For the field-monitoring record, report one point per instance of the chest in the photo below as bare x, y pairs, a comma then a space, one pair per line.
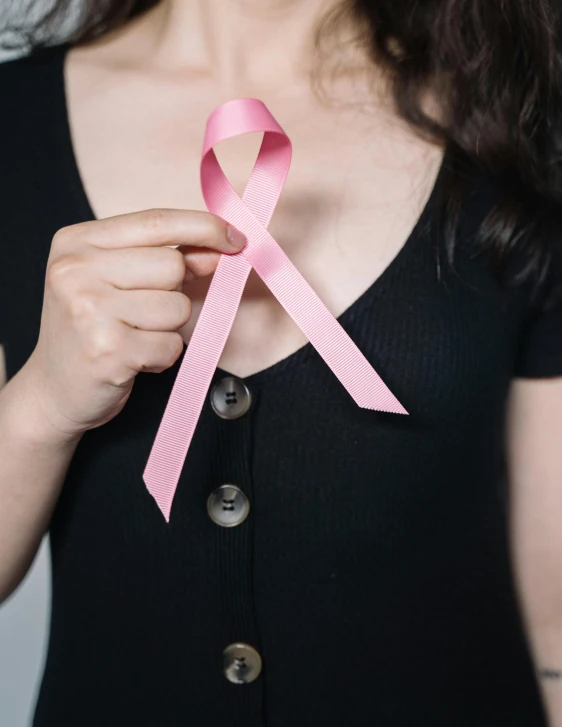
357, 185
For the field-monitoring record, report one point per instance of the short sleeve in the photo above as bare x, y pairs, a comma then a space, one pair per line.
540, 350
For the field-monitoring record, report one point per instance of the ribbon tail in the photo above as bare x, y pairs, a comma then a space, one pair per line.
166, 459
321, 328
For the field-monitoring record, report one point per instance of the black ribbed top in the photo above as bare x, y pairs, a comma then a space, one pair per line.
372, 573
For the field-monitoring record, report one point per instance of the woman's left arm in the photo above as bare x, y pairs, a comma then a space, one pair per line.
534, 445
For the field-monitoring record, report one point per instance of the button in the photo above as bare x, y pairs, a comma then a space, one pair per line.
241, 663
228, 506
230, 398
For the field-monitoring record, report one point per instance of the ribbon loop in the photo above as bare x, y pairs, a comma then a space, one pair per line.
250, 214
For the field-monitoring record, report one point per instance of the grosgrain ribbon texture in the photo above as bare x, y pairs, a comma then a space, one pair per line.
251, 215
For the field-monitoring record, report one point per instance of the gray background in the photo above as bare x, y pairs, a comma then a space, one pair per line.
23, 638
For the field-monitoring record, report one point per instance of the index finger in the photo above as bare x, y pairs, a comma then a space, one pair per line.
157, 227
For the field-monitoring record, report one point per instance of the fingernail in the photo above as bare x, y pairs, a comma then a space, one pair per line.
235, 237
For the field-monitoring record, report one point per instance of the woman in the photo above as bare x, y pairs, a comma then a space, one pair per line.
323, 564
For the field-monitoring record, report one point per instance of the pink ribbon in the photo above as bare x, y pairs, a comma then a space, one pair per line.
250, 214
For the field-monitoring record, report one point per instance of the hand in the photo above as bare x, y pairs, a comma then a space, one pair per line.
112, 307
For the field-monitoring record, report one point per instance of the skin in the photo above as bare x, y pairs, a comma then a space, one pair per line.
113, 305
116, 295
534, 436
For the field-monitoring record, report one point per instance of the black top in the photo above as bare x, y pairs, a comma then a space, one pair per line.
372, 573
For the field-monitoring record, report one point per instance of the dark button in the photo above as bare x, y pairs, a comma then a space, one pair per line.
228, 506
230, 398
241, 663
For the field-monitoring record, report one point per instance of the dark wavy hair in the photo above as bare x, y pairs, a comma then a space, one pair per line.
494, 65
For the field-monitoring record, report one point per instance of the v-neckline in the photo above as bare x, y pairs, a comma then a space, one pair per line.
301, 354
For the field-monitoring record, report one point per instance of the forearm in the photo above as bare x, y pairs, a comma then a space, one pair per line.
34, 459
535, 471
546, 645
538, 562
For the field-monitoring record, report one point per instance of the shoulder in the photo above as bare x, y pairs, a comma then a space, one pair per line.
32, 121
519, 236
23, 72
27, 87
514, 228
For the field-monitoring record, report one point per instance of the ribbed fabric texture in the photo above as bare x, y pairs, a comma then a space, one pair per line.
250, 214
372, 573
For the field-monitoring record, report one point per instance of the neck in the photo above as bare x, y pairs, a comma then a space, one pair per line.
243, 43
